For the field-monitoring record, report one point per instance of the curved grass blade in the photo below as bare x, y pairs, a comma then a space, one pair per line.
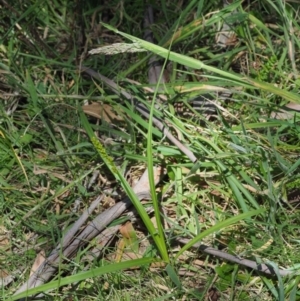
218, 227
85, 275
245, 81
128, 190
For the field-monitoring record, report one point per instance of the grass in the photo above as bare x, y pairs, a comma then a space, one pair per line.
241, 196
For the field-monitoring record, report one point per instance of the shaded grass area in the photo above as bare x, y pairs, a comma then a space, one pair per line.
247, 158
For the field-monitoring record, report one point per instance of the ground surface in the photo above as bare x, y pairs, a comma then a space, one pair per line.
67, 138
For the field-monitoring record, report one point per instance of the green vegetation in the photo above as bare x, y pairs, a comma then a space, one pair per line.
66, 138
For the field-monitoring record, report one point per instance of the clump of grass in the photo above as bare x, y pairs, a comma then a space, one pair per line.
247, 160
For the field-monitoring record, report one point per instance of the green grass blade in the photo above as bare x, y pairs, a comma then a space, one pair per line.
218, 227
128, 190
247, 82
160, 237
84, 275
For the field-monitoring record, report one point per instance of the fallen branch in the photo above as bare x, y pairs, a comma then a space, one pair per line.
71, 242
260, 267
142, 109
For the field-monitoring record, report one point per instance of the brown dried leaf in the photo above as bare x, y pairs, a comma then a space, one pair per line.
102, 111
129, 236
4, 238
40, 258
143, 184
284, 114
293, 106
5, 278
131, 256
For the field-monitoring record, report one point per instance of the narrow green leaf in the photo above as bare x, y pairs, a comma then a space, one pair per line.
218, 227
196, 64
173, 275
85, 275
157, 237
